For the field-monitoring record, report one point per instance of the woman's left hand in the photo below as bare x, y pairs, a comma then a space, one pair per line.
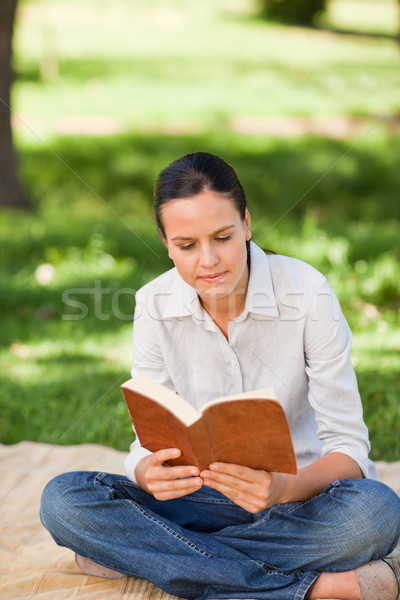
251, 489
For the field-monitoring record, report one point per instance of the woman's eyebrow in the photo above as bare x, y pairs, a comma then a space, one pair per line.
183, 238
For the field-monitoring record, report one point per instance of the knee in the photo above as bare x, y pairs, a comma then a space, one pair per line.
374, 518
58, 499
385, 518
50, 505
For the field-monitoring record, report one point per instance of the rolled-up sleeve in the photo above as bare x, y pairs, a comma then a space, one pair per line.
333, 390
136, 453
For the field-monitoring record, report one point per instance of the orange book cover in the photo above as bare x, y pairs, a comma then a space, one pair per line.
249, 429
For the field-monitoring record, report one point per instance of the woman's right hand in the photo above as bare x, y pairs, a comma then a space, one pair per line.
163, 481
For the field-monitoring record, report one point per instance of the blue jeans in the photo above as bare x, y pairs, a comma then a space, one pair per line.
205, 546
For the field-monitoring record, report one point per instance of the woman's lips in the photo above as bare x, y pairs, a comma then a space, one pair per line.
212, 277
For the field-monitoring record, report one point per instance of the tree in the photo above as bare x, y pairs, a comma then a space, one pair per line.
11, 191
398, 31
293, 12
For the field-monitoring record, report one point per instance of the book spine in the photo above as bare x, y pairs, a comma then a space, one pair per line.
201, 444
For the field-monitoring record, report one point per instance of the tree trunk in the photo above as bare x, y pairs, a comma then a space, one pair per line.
293, 12
398, 21
11, 191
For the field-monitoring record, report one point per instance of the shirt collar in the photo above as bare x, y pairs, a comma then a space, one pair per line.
260, 297
183, 300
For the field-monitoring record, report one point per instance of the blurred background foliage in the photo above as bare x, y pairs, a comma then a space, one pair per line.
295, 12
106, 94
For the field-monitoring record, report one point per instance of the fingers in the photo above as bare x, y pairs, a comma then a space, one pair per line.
230, 472
245, 474
166, 482
157, 462
248, 488
163, 455
176, 488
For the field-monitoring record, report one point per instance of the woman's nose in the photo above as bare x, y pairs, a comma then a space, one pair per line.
208, 258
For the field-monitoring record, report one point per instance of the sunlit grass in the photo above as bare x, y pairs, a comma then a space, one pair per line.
365, 15
151, 66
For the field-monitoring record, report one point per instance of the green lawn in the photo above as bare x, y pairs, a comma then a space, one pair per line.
187, 66
106, 95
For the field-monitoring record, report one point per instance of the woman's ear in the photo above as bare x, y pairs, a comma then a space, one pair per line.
247, 225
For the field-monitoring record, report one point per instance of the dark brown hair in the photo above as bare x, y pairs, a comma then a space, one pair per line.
192, 174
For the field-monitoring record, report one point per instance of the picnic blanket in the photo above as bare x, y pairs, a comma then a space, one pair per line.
32, 566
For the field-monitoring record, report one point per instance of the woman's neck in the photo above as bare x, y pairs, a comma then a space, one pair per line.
224, 310
225, 307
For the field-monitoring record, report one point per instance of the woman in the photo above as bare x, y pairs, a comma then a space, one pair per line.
228, 318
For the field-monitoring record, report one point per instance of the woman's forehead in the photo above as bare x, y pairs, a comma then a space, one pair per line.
208, 201
209, 210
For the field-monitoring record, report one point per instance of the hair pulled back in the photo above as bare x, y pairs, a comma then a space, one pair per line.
195, 173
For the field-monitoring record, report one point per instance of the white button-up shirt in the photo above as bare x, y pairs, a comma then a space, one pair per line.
291, 336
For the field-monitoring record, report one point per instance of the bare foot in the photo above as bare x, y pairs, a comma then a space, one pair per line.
341, 586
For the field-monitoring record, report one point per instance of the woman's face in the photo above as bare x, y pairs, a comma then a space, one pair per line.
206, 239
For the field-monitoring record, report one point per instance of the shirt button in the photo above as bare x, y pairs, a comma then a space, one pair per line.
233, 340
233, 363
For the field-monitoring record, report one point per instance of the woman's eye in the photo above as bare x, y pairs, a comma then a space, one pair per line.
191, 245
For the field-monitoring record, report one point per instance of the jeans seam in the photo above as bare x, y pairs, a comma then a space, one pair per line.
289, 509
306, 584
99, 477
208, 501
171, 531
271, 570
332, 486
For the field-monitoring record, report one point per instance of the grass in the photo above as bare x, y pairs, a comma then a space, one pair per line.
149, 66
181, 81
366, 16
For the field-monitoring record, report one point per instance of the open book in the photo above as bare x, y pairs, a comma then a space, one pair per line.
248, 429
